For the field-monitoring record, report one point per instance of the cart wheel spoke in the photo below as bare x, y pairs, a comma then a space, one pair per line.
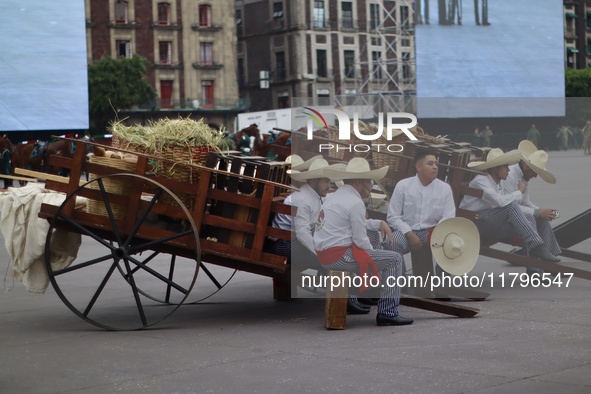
158, 242
99, 290
84, 230
144, 216
210, 276
82, 265
136, 295
157, 275
109, 210
145, 262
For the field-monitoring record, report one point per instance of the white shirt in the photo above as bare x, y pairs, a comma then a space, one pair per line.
308, 203
511, 184
493, 195
342, 222
414, 206
282, 220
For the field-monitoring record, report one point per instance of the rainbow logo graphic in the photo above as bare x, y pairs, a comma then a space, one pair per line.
319, 119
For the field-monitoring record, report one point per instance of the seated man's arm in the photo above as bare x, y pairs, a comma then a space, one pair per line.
395, 210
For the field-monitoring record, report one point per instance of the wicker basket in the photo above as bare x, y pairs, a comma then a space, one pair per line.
112, 185
333, 134
387, 159
177, 171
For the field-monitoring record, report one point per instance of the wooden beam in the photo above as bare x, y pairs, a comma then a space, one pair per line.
42, 175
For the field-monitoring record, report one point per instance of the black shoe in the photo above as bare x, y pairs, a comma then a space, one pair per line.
369, 301
354, 308
383, 320
542, 253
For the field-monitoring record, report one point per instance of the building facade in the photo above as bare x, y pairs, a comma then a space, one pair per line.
322, 49
577, 33
190, 46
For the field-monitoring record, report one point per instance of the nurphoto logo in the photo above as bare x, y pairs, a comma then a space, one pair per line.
393, 128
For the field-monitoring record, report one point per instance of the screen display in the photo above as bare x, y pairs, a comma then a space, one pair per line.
43, 66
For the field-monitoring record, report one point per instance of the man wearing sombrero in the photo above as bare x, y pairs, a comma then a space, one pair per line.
341, 240
533, 164
499, 214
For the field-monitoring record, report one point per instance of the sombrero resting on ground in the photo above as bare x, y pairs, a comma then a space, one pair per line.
536, 159
496, 157
455, 245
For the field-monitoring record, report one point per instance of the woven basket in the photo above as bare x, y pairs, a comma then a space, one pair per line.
113, 185
333, 134
177, 171
387, 159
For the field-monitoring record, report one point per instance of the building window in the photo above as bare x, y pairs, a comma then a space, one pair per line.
121, 11
165, 94
347, 14
283, 100
319, 21
376, 41
207, 98
206, 53
163, 14
349, 57
404, 17
280, 70
204, 15
322, 93
321, 69
238, 18
374, 16
278, 10
165, 51
405, 42
376, 58
123, 48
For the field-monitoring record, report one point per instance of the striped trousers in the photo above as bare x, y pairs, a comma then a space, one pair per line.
499, 223
545, 232
389, 264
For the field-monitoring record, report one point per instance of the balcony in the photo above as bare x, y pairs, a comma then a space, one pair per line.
166, 26
325, 74
321, 24
123, 24
212, 27
207, 65
190, 105
275, 24
167, 66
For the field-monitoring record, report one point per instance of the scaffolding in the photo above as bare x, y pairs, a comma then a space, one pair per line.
386, 78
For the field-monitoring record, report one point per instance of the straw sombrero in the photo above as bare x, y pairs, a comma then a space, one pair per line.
297, 163
536, 160
357, 168
317, 170
496, 158
455, 245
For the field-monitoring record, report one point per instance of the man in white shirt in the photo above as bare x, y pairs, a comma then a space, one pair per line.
532, 164
341, 241
418, 204
499, 215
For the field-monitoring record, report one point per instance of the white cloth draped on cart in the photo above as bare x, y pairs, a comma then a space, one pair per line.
25, 234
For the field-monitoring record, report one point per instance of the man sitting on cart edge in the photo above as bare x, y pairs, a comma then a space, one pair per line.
499, 214
418, 204
341, 240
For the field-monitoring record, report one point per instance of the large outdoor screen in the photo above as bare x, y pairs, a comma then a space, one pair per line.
493, 59
43, 68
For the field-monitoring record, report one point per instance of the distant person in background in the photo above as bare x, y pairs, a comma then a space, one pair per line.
484, 13
443, 12
586, 132
562, 135
486, 135
455, 8
533, 135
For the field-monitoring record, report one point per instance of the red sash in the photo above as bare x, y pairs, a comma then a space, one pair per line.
365, 262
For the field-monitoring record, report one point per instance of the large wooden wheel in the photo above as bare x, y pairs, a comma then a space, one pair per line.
145, 256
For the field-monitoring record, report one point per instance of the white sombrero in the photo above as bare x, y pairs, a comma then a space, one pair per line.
536, 160
357, 168
317, 170
496, 158
455, 245
297, 163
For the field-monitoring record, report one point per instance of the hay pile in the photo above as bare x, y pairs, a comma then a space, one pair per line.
158, 136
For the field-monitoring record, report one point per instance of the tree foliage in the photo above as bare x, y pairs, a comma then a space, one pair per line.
578, 82
118, 83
